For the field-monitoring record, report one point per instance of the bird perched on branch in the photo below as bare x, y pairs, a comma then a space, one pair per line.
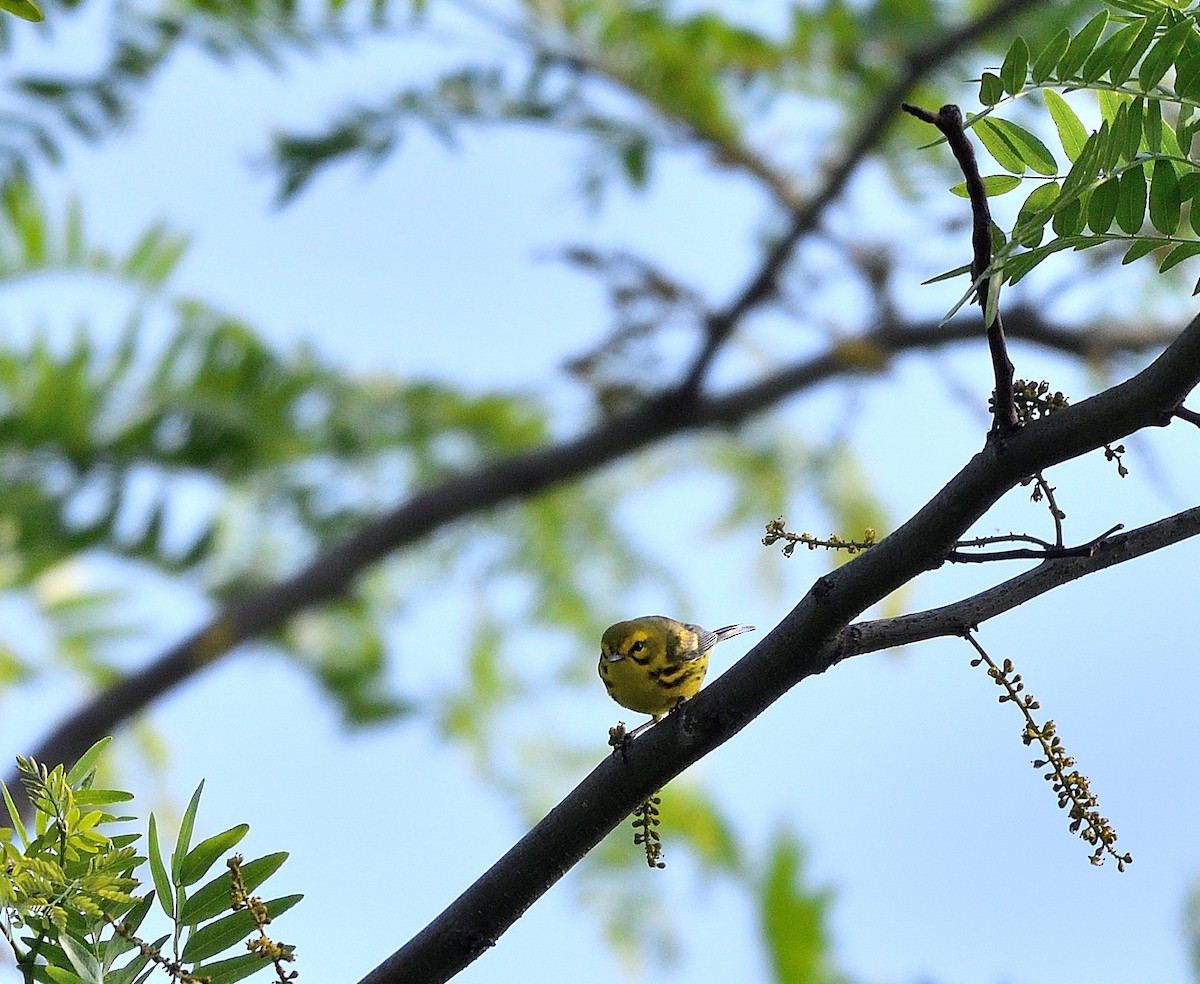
654, 663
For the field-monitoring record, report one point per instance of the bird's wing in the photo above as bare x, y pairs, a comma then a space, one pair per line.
704, 641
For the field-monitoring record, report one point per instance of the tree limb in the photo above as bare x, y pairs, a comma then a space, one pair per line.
801, 645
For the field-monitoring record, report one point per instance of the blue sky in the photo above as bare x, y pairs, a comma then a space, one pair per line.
906, 780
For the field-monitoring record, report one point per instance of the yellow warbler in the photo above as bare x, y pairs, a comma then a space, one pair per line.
653, 663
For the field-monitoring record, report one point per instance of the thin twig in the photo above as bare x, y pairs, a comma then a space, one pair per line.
1047, 551
1056, 514
949, 121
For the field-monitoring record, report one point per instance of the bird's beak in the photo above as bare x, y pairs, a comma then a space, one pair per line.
611, 657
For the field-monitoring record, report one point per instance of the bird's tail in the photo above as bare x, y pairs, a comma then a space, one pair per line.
729, 631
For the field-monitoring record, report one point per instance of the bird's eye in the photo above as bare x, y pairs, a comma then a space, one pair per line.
637, 647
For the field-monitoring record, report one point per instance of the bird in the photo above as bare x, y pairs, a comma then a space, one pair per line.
653, 663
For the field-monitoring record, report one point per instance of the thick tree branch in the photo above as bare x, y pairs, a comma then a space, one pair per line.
799, 647
333, 572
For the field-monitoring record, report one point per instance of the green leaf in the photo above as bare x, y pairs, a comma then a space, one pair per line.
232, 970
1110, 54
14, 815
1071, 132
1140, 248
1032, 151
1131, 203
1189, 184
131, 970
1016, 66
23, 9
1113, 142
1186, 125
155, 255
999, 146
1111, 103
1152, 125
1102, 206
82, 959
948, 275
1133, 137
60, 975
183, 841
1081, 46
213, 898
1047, 61
1165, 203
87, 762
1162, 56
1083, 171
202, 857
993, 185
1034, 214
635, 156
102, 797
1187, 71
220, 935
793, 918
117, 944
158, 871
991, 89
1180, 253
28, 219
1069, 219
1109, 145
1120, 72
1018, 266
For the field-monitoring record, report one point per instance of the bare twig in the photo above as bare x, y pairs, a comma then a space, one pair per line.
949, 121
1045, 489
1046, 551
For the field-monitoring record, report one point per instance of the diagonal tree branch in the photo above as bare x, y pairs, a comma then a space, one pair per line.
799, 647
333, 572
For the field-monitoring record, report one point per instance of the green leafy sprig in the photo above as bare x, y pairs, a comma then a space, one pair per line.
70, 907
